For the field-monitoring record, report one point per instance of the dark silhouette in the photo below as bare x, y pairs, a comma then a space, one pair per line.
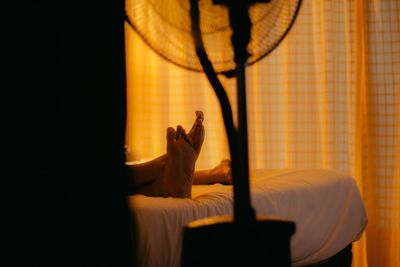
73, 73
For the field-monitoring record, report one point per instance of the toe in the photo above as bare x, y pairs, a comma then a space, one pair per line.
199, 116
179, 132
182, 134
170, 138
198, 138
199, 121
171, 133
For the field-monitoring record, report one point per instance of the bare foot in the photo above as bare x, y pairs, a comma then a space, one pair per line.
222, 173
182, 151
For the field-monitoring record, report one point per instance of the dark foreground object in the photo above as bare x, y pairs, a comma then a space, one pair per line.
341, 259
221, 242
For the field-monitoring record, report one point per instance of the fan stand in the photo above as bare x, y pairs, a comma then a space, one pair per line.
238, 140
238, 144
244, 240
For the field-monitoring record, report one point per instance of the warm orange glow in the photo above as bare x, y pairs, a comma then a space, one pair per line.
327, 97
160, 95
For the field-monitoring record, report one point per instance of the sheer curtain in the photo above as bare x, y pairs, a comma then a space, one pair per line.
327, 97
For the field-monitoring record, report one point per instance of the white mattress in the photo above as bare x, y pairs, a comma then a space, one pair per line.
325, 205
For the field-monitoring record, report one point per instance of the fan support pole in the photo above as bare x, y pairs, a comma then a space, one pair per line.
238, 145
241, 181
249, 241
241, 28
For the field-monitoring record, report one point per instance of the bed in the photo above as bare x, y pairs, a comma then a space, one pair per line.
325, 205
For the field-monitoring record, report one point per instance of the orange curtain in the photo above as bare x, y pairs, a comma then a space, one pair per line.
378, 91
327, 97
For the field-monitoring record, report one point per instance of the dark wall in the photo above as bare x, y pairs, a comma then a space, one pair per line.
74, 129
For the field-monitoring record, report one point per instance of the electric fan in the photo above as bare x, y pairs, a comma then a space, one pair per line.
222, 37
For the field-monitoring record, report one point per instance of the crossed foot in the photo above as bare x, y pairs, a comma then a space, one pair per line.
182, 152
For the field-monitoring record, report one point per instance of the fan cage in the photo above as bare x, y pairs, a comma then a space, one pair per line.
166, 27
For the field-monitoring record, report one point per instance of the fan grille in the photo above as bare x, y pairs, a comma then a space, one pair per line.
165, 25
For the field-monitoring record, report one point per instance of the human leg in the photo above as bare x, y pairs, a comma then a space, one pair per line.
222, 173
176, 178
146, 173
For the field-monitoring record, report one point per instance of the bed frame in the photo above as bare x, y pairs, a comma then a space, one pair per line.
341, 259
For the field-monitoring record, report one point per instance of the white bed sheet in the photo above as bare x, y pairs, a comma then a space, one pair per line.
325, 205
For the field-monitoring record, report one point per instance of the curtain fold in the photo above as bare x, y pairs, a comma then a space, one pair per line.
381, 138
327, 97
360, 118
